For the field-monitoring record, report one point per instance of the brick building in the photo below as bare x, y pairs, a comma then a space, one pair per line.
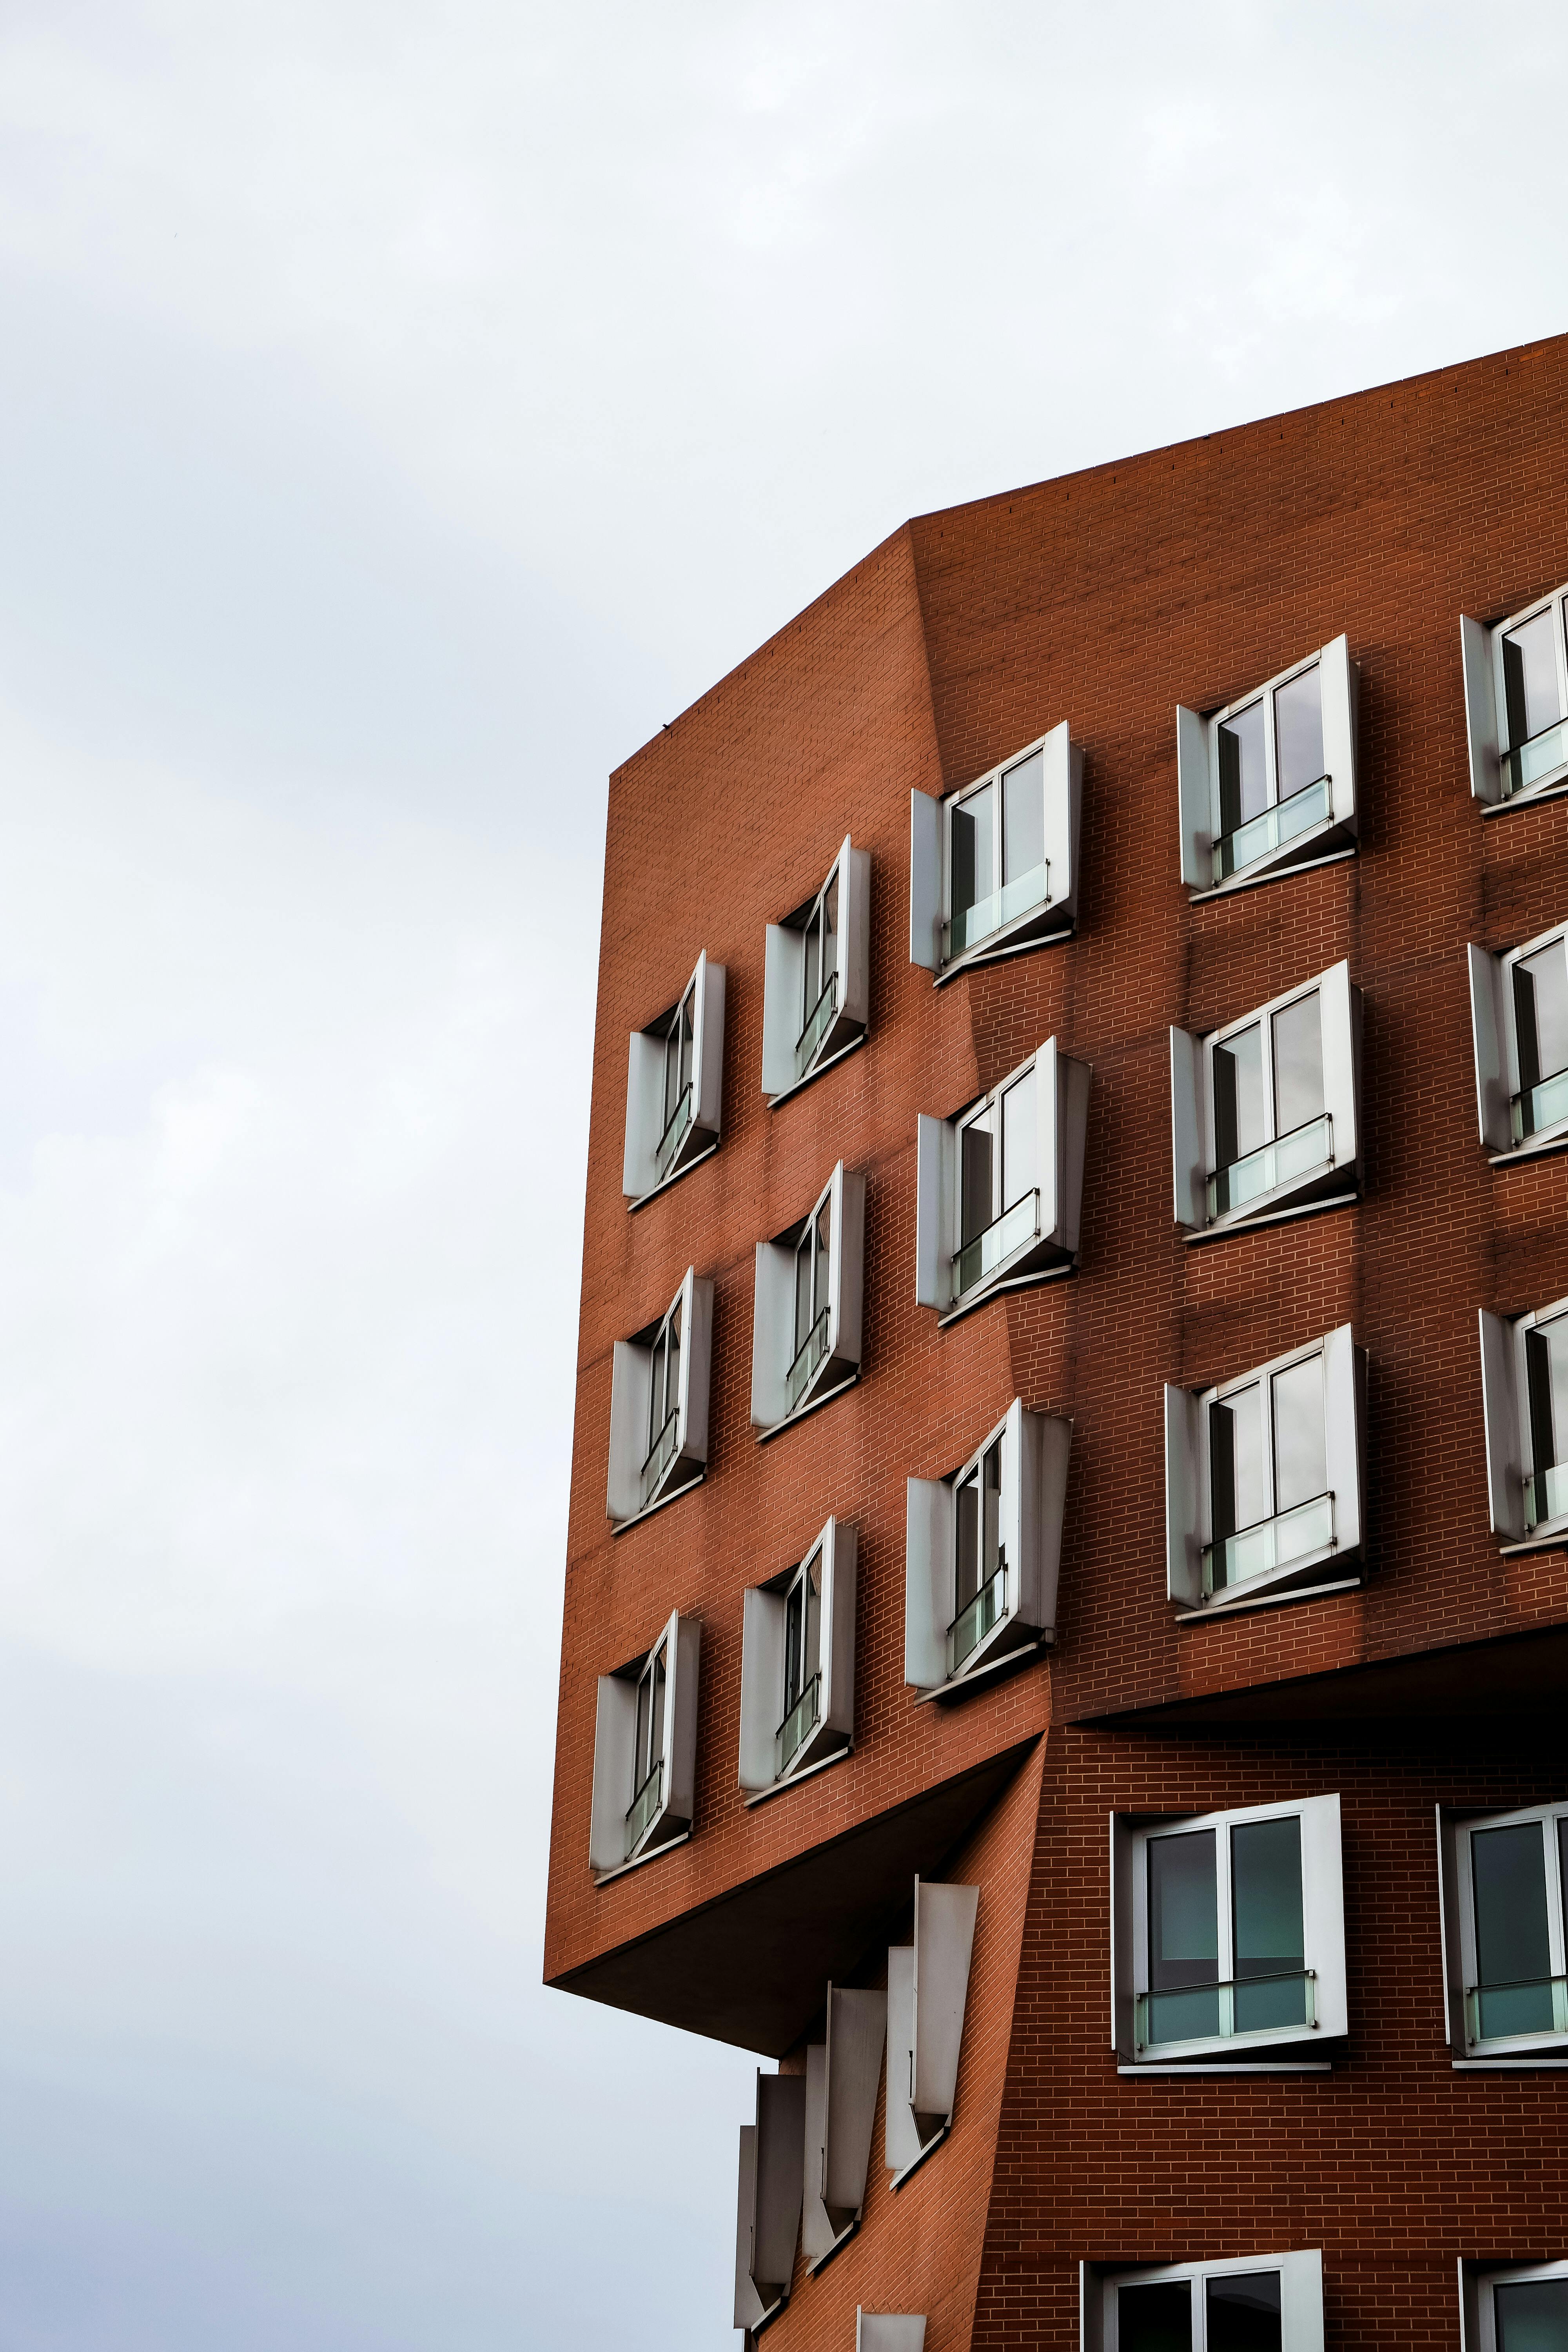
1068, 1544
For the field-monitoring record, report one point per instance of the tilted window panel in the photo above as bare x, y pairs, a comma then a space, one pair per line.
645, 1750
1269, 782
999, 1186
1516, 701
1519, 1019
807, 1314
927, 1992
797, 1663
658, 1405
816, 976
843, 2074
1504, 1898
675, 1085
993, 866
1264, 2302
1525, 1397
982, 1551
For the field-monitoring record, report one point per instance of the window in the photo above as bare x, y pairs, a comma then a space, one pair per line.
1516, 701
928, 1989
798, 1664
1503, 1901
999, 1187
1265, 1115
1524, 1395
768, 2202
1514, 2306
1228, 1935
993, 868
1264, 1477
658, 1405
1269, 782
817, 982
805, 1322
982, 1550
843, 2074
674, 1086
1518, 1018
645, 1752
1251, 2303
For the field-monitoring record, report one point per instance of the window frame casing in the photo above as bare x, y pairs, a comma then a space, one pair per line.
611, 1848
1189, 1513
843, 2076
1509, 1437
776, 1359
630, 1495
1035, 1464
1323, 1929
764, 1667
1301, 2294
1494, 1031
1046, 923
642, 1177
1487, 731
1062, 1085
1198, 780
785, 1019
1478, 2282
1193, 1118
1456, 1878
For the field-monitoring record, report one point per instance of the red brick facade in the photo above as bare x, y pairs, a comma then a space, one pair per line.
1187, 575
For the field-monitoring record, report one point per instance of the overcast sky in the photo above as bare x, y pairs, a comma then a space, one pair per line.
403, 409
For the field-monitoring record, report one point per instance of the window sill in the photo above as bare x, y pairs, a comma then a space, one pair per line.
769, 2315
792, 1780
990, 1290
830, 1062
1243, 2066
998, 949
1554, 1539
1531, 797
1223, 1227
1540, 1146
1522, 2058
1274, 1598
929, 2150
685, 1169
648, 1853
623, 1527
959, 1684
804, 1412
814, 2269
1239, 882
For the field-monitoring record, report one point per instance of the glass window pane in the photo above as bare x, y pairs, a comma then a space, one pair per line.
812, 1587
1532, 2316
1156, 2318
1018, 1141
1243, 773
1297, 1064
1243, 2313
1513, 1954
1024, 817
656, 1729
793, 1643
966, 1576
974, 1206
1531, 692
805, 1309
1236, 1489
1299, 732
688, 1025
971, 825
671, 1069
991, 1479
811, 979
1239, 1126
1301, 1450
1541, 1014
1546, 1369
829, 930
1184, 1936
640, 1745
1266, 1907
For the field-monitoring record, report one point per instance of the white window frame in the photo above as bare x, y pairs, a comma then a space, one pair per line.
1335, 1173
1041, 924
1189, 1514
638, 1484
1456, 1827
927, 1992
1494, 1030
843, 2076
1198, 780
1013, 1252
1512, 1471
787, 1382
771, 2176
655, 1158
617, 1840
1478, 2281
1494, 759
1035, 1455
773, 1751
1301, 2295
1324, 1926
800, 1040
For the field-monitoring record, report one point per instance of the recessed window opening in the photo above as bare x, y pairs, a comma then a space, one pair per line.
648, 1760
1269, 1491
1271, 1120
993, 866
1235, 2314
803, 1663
813, 1257
980, 1555
1516, 1969
999, 865
1227, 1934
1269, 755
999, 1198
664, 1401
1541, 1039
1532, 675
819, 975
678, 1097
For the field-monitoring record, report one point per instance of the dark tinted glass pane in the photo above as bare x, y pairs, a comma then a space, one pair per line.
795, 1644
655, 1734
1244, 2313
975, 1207
1242, 776
1298, 738
813, 1658
1532, 2316
1546, 1368
1530, 679
1023, 818
1238, 1120
803, 1287
967, 1567
1235, 1464
1265, 1900
1156, 2318
1513, 1959
1297, 1064
687, 1038
1184, 1936
972, 851
829, 930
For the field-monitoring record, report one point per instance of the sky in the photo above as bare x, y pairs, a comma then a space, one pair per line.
405, 409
